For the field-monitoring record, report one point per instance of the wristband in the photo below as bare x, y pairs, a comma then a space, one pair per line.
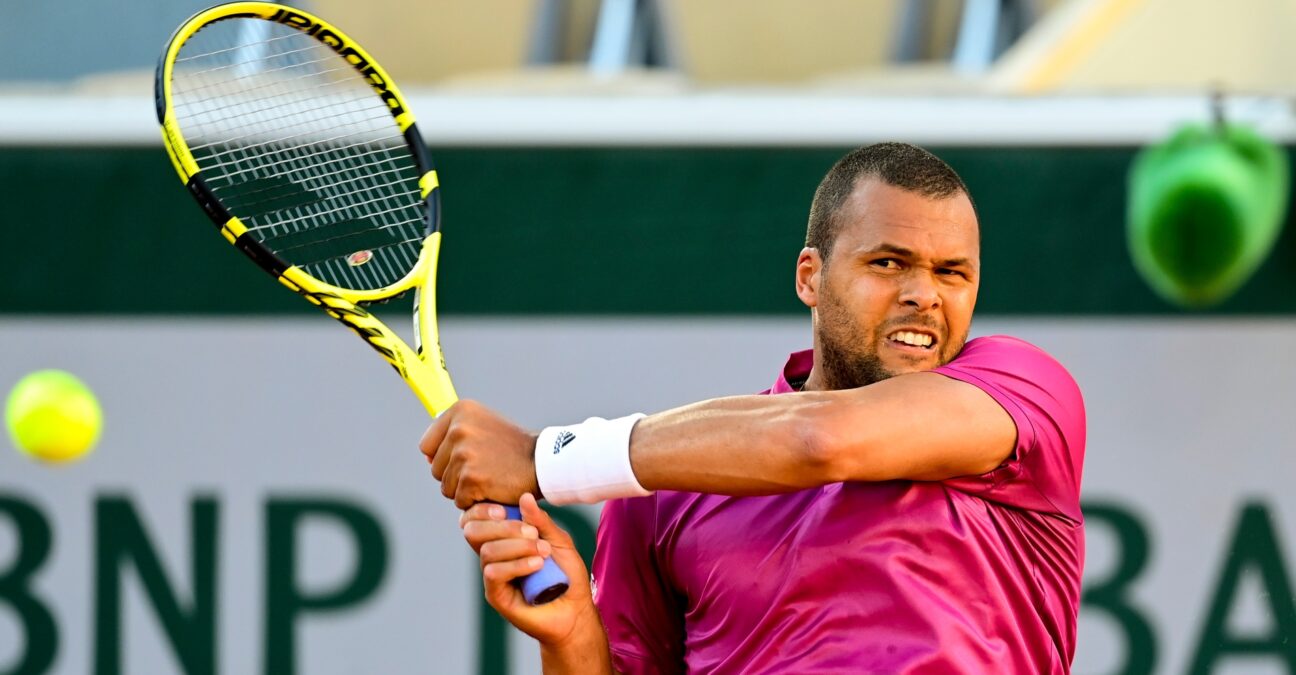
587, 463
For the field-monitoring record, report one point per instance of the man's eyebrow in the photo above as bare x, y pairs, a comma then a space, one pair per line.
890, 248
906, 253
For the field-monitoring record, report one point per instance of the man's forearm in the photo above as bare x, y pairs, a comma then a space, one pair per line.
922, 426
742, 445
585, 651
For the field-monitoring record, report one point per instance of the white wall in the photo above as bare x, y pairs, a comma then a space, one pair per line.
1188, 419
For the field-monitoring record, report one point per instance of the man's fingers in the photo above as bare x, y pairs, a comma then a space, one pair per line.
479, 532
443, 454
448, 432
534, 515
435, 432
564, 552
467, 490
482, 511
450, 477
504, 572
504, 550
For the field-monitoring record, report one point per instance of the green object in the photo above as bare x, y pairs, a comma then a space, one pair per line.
1205, 209
53, 416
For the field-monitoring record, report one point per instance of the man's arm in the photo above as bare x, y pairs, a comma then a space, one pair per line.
585, 653
922, 426
571, 636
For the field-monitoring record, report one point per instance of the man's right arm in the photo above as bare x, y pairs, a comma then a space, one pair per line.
568, 629
585, 651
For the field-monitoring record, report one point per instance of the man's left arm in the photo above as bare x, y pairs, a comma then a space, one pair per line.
922, 426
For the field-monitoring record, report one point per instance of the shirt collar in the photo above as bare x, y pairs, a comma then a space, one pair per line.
797, 369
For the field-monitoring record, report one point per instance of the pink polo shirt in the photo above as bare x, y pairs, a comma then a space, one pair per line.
976, 574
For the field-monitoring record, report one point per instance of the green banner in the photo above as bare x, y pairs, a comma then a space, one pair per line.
587, 231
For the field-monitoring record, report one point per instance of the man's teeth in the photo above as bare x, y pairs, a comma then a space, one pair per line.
915, 339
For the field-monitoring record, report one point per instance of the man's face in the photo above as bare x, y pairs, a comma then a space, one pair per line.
896, 294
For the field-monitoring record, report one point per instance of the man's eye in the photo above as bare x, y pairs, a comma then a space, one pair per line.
887, 263
945, 271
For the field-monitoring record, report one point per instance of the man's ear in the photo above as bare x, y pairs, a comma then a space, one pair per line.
808, 267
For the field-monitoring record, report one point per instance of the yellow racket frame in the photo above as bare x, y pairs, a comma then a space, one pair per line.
422, 367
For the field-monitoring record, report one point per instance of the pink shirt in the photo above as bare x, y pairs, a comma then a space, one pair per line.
976, 574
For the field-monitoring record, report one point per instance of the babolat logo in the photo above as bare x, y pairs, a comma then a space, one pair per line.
562, 440
355, 317
347, 51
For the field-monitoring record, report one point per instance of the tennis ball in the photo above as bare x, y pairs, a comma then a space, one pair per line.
53, 416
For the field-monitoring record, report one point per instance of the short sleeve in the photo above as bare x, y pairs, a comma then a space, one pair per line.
639, 609
1045, 403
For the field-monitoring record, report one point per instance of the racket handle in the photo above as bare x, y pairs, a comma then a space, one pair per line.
544, 585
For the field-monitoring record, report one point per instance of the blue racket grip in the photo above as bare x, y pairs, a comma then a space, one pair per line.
544, 585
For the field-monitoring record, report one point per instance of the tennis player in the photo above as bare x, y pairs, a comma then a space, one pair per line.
901, 500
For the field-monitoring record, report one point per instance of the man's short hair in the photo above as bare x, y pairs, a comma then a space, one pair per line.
901, 165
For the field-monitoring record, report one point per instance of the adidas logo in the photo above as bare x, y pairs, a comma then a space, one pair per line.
562, 440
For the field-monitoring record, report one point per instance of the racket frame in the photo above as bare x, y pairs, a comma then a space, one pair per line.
423, 366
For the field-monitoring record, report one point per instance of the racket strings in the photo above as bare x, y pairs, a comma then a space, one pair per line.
294, 215
307, 132
266, 194
239, 48
314, 93
379, 248
362, 149
287, 219
317, 231
215, 82
297, 112
331, 226
280, 208
364, 210
294, 141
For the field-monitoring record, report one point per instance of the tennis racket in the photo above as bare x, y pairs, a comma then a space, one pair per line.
303, 152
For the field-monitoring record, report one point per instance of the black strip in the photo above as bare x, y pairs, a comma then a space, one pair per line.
422, 158
219, 216
159, 104
260, 254
158, 100
423, 161
207, 200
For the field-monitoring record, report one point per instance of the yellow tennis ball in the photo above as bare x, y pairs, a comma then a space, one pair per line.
53, 416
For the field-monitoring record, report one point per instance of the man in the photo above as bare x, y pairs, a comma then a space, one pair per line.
898, 502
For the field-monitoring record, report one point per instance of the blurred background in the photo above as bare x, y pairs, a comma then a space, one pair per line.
625, 188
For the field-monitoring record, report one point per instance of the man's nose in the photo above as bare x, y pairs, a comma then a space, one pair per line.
920, 291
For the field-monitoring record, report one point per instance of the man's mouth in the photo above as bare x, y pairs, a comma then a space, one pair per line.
913, 338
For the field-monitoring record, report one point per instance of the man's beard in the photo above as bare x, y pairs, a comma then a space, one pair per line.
846, 369
848, 357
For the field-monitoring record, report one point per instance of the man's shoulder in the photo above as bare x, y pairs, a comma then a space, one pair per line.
995, 357
998, 343
1005, 350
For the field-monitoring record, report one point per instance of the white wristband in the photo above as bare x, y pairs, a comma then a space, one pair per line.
587, 463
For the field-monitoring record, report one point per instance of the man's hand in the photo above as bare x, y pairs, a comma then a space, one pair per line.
479, 456
568, 629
